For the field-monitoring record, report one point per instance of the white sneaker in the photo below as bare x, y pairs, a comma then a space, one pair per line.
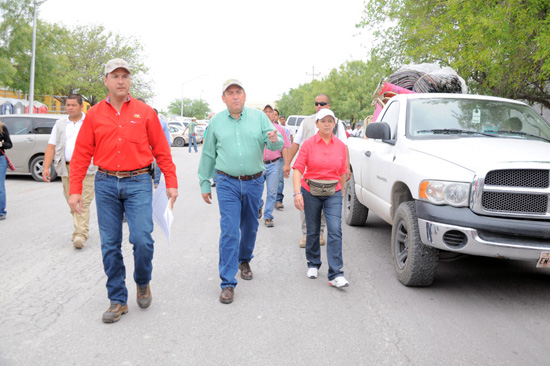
339, 282
312, 272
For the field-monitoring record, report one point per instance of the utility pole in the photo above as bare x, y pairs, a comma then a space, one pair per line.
313, 74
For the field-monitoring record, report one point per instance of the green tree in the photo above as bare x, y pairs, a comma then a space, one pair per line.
67, 61
191, 108
350, 88
87, 50
499, 47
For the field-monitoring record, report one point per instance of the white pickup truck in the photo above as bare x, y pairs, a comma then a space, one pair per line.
454, 173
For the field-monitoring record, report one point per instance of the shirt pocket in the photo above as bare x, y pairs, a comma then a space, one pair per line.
136, 132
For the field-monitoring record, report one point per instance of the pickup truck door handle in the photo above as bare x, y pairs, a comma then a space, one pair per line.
367, 153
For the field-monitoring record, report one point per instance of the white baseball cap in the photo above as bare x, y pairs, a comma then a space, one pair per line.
116, 63
323, 113
230, 82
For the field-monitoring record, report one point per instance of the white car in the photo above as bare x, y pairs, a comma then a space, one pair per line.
179, 138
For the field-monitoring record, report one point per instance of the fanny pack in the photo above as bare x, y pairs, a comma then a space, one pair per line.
322, 188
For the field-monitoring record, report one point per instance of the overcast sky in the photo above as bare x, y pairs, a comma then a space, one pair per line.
270, 46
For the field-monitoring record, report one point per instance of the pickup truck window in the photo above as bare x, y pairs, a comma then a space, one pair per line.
391, 117
447, 116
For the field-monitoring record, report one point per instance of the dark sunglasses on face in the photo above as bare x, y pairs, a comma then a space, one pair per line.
322, 104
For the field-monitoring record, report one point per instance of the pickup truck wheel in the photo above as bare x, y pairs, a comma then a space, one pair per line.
355, 213
414, 262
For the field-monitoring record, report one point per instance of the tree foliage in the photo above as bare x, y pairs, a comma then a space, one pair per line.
66, 60
500, 47
350, 88
191, 108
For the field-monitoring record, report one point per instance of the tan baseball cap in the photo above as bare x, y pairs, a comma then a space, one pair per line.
230, 82
116, 63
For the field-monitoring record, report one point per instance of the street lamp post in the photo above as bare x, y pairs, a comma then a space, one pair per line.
33, 56
33, 51
182, 84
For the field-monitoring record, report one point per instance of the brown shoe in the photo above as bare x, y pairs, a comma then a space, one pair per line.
303, 242
246, 272
144, 297
260, 213
226, 297
322, 241
78, 243
113, 314
269, 222
279, 206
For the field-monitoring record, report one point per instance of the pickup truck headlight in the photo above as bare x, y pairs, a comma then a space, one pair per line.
445, 193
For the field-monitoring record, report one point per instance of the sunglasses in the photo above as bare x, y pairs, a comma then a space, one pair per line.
322, 104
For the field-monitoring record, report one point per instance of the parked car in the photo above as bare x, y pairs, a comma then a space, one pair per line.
454, 174
30, 134
293, 122
199, 129
179, 138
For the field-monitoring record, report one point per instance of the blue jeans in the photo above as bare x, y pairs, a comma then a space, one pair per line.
192, 140
281, 187
114, 197
238, 201
158, 173
3, 169
332, 206
271, 173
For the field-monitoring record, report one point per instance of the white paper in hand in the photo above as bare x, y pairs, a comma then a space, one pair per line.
162, 214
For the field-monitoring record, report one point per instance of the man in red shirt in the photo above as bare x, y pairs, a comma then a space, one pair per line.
123, 135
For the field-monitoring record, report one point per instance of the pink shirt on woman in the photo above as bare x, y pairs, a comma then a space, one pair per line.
321, 161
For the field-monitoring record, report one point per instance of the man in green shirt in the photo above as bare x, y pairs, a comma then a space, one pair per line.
192, 134
233, 149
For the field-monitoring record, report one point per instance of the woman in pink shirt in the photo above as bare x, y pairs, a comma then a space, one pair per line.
318, 178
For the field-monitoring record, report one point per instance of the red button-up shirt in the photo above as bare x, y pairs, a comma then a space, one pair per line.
321, 161
124, 141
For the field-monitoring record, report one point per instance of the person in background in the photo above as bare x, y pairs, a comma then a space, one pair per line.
233, 151
124, 137
60, 151
5, 143
192, 134
322, 160
274, 162
166, 130
280, 196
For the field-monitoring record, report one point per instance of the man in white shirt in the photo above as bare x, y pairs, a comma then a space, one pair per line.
306, 130
60, 151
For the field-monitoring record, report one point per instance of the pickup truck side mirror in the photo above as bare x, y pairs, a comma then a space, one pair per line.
378, 131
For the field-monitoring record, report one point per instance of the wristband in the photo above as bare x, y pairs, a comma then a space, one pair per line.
294, 195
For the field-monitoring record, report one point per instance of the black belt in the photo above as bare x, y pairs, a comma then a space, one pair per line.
242, 177
270, 161
125, 174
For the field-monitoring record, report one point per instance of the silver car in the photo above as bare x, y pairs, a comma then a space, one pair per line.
29, 134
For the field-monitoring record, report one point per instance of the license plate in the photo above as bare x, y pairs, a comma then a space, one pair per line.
544, 260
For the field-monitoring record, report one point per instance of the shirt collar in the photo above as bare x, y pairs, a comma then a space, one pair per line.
82, 115
318, 138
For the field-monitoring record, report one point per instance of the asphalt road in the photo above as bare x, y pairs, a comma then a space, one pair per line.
479, 311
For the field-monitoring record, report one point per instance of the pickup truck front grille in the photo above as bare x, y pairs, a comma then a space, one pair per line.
514, 193
533, 178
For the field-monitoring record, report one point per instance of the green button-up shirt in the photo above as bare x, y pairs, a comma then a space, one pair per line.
235, 147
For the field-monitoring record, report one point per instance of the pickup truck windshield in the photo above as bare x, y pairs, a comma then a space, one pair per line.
453, 116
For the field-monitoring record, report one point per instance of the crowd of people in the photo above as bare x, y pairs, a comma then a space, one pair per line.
111, 152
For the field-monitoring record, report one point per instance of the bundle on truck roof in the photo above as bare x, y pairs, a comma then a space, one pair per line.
418, 78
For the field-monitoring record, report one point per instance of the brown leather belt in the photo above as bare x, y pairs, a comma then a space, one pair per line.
242, 177
125, 174
270, 161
